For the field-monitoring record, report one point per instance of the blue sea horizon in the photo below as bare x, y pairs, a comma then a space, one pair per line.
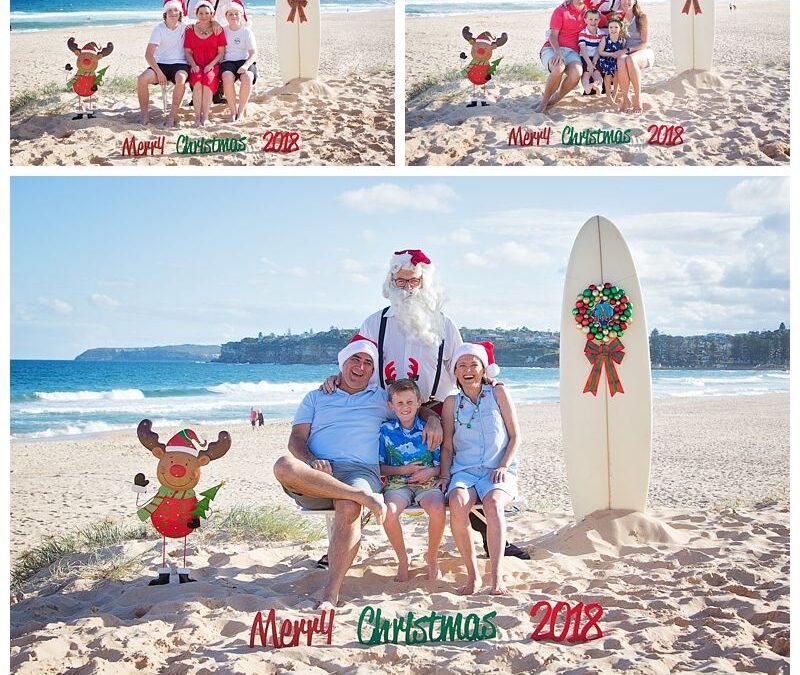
46, 14
57, 399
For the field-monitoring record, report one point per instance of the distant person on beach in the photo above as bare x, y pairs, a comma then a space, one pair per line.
239, 62
260, 418
611, 48
416, 339
166, 61
253, 418
411, 468
638, 56
334, 461
479, 458
589, 43
560, 54
204, 51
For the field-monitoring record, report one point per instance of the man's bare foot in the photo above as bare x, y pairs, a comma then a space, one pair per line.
143, 120
325, 605
542, 107
375, 504
471, 587
170, 122
434, 573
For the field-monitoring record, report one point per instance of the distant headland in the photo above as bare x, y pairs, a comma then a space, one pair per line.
513, 347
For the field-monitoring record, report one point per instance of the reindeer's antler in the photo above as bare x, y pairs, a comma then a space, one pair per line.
413, 371
499, 42
147, 437
389, 372
73, 46
218, 448
105, 51
465, 32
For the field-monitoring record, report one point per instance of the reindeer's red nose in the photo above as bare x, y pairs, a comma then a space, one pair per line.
177, 470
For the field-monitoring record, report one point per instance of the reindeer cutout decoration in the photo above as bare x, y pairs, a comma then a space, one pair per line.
87, 79
481, 68
175, 511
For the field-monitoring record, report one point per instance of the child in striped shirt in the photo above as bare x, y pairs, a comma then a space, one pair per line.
588, 43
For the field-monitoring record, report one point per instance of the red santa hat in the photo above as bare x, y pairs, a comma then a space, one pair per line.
486, 38
360, 344
483, 351
410, 257
241, 6
90, 48
174, 4
186, 441
203, 3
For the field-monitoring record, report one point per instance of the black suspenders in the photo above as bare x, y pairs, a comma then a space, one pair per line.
381, 337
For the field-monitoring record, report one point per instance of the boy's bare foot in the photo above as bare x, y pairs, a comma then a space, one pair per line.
434, 573
499, 588
471, 587
143, 120
402, 571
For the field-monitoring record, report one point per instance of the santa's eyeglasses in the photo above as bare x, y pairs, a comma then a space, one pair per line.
407, 283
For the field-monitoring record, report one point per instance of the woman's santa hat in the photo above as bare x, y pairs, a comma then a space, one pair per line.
483, 351
186, 441
203, 3
175, 4
240, 4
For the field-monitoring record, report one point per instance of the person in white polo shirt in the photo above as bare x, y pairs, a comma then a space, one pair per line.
166, 61
239, 62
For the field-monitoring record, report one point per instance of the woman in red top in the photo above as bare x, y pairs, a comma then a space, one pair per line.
204, 51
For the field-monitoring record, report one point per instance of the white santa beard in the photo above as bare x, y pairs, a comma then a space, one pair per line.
418, 315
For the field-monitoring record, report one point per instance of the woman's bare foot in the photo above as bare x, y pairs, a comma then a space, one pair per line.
624, 104
198, 123
636, 107
434, 573
471, 587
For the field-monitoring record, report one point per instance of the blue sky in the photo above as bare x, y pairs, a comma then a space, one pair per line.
115, 262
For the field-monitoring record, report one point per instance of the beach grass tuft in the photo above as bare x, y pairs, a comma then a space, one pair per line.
518, 72
266, 523
35, 97
54, 553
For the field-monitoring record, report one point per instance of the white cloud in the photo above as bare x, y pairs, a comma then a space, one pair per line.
58, 306
514, 252
102, 300
761, 195
461, 236
475, 260
391, 198
354, 271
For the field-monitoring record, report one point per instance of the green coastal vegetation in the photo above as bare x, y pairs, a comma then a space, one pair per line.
524, 347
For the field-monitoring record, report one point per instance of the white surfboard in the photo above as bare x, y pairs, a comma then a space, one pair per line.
693, 35
606, 437
298, 41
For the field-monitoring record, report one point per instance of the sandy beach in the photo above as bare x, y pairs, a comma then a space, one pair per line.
738, 114
346, 119
699, 582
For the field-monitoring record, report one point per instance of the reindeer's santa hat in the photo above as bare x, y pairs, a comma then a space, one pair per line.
186, 441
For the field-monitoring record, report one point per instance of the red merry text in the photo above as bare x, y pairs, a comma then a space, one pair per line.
281, 141
526, 137
133, 148
290, 631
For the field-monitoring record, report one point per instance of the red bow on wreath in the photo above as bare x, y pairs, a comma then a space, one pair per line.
692, 3
604, 354
298, 5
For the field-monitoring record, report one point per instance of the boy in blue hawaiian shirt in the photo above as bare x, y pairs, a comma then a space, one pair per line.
412, 472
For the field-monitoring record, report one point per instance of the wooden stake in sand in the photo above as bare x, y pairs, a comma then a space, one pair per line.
164, 98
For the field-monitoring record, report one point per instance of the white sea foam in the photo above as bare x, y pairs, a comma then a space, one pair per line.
262, 387
113, 395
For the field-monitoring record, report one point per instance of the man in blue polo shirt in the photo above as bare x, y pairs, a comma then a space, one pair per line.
334, 456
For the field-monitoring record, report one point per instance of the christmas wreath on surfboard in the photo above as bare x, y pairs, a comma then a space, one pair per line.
603, 312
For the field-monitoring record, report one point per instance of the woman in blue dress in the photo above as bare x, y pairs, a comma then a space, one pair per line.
478, 458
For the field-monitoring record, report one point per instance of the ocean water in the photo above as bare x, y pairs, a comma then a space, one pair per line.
441, 7
56, 399
41, 14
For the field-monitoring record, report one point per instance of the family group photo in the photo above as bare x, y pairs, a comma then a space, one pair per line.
541, 439
203, 82
597, 82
